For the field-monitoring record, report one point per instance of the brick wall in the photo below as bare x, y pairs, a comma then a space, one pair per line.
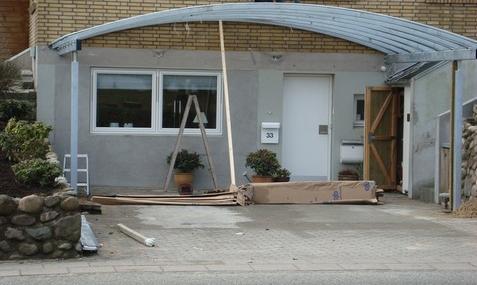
59, 17
13, 27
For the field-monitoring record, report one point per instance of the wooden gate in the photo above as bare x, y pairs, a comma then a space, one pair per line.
380, 143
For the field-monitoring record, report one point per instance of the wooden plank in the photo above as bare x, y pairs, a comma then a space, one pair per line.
381, 113
380, 162
178, 144
204, 140
392, 165
367, 125
167, 196
135, 201
227, 106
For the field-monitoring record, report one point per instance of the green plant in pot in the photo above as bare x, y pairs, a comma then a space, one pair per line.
186, 163
264, 163
282, 175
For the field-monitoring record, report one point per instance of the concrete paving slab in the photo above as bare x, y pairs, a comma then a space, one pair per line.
138, 268
6, 273
364, 266
44, 271
409, 266
93, 269
273, 267
229, 267
454, 266
319, 267
184, 268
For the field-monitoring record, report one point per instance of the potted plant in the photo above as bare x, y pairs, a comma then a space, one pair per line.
264, 163
282, 175
186, 163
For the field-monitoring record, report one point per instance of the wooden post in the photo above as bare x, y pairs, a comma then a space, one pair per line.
178, 143
204, 140
227, 106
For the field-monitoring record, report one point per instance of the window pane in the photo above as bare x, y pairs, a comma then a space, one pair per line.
177, 88
360, 110
124, 100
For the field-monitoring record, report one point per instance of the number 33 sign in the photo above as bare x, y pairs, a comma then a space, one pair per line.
270, 133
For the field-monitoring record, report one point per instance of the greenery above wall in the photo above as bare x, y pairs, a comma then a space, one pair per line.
37, 172
18, 109
22, 140
9, 76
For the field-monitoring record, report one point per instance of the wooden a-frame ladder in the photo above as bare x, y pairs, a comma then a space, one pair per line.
190, 100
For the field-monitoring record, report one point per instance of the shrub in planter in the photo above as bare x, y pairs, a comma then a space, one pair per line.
22, 140
264, 163
9, 76
186, 163
37, 172
19, 109
282, 175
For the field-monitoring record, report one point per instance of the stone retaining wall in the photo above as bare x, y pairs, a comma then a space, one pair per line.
39, 227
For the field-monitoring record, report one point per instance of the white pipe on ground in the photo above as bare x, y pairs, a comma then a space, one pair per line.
137, 236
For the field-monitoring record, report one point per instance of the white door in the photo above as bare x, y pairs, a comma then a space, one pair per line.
306, 126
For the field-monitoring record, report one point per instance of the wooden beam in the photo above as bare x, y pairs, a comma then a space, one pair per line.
204, 140
178, 144
227, 107
381, 113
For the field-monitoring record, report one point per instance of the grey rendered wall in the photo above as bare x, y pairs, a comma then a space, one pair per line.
345, 85
431, 97
256, 95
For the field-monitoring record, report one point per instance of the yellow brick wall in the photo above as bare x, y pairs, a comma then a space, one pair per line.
59, 17
13, 27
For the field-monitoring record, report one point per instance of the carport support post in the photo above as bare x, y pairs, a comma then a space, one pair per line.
456, 132
74, 123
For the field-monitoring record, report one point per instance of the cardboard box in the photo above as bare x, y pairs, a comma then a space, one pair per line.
325, 192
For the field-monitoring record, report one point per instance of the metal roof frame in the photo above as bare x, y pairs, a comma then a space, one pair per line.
399, 39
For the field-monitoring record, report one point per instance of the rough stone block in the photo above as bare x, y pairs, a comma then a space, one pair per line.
40, 233
15, 234
48, 216
31, 204
70, 204
5, 246
52, 201
23, 220
7, 205
69, 228
28, 249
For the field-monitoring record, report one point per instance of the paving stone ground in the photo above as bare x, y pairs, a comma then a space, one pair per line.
401, 235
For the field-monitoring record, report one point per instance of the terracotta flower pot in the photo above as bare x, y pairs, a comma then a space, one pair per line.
262, 179
281, 179
181, 178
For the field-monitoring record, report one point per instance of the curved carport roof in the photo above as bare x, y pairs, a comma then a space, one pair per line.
389, 35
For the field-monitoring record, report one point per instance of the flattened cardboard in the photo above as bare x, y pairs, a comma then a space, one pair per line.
319, 192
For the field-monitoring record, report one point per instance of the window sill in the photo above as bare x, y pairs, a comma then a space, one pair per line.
358, 125
153, 133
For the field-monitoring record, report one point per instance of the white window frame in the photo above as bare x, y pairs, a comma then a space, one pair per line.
156, 104
94, 110
356, 97
174, 131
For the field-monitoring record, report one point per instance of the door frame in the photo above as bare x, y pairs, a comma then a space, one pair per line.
330, 109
